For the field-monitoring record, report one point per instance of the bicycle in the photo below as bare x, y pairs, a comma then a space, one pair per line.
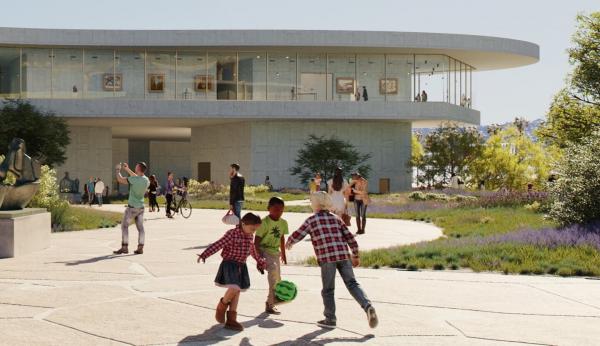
182, 206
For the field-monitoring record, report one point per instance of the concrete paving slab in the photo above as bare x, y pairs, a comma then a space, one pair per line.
76, 292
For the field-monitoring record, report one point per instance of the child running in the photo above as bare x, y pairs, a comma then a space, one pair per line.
269, 240
233, 273
330, 238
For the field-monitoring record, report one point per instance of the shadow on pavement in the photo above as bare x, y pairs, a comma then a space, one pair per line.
92, 260
311, 338
196, 247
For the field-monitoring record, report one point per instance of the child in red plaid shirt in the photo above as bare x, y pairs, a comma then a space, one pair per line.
237, 245
330, 239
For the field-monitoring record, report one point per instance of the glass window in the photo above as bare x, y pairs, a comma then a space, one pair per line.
67, 73
226, 75
432, 75
211, 86
160, 75
10, 72
281, 77
129, 75
342, 68
399, 78
98, 72
252, 79
37, 73
314, 83
371, 72
192, 79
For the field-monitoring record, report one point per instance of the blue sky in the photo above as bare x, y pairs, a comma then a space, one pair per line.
499, 95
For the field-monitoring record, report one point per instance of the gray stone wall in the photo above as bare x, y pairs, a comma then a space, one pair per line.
221, 145
275, 145
89, 154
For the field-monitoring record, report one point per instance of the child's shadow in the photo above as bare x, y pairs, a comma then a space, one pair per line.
217, 333
262, 322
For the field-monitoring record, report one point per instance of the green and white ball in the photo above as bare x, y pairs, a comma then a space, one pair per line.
286, 291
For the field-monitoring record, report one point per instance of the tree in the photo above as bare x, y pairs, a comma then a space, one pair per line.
417, 158
575, 110
575, 195
324, 155
45, 134
449, 150
511, 159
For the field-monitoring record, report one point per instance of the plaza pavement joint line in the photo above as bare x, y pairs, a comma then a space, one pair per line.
495, 339
479, 310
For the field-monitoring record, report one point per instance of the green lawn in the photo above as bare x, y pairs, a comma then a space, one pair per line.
465, 246
81, 218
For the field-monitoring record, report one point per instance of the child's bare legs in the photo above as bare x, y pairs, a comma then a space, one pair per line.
232, 297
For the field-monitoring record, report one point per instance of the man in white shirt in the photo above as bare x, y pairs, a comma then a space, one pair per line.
99, 190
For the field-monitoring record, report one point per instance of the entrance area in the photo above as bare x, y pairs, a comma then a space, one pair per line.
204, 171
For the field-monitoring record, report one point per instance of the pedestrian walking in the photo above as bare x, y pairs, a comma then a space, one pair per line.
338, 190
153, 194
169, 189
360, 190
99, 190
236, 190
90, 188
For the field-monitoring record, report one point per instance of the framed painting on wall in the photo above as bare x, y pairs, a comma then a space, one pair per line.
203, 82
388, 86
112, 82
156, 82
345, 85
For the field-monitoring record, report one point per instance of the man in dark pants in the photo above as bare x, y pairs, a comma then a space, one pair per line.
169, 186
236, 190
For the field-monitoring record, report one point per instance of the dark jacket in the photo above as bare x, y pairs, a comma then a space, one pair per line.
236, 188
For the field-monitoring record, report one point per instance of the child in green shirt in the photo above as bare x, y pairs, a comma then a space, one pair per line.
269, 241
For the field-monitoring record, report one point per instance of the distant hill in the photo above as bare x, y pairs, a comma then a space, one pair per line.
530, 130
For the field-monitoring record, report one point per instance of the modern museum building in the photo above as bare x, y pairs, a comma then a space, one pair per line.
194, 101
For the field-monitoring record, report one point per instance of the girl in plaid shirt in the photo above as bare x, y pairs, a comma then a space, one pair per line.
331, 238
237, 245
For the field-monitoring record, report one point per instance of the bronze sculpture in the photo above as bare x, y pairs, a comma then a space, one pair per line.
25, 169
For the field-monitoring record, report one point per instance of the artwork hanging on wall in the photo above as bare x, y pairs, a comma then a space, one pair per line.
203, 82
345, 85
156, 82
110, 82
388, 86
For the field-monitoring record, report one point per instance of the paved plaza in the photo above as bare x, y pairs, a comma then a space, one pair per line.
77, 293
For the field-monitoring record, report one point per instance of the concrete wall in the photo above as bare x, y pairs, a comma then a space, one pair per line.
169, 156
221, 145
275, 145
89, 154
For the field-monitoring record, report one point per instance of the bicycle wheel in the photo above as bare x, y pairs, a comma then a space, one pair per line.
185, 209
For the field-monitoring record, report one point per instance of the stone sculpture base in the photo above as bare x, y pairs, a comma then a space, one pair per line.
24, 231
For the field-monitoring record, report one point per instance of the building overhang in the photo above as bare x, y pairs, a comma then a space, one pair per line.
480, 52
190, 112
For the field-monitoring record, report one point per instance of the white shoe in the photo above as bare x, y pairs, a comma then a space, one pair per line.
372, 316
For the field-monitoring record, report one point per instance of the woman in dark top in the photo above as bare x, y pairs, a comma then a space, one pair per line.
152, 193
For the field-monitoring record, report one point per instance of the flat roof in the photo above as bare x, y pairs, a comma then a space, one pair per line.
481, 52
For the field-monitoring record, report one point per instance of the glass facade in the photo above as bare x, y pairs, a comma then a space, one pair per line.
65, 73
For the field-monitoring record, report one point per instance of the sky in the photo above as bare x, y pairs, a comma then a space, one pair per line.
500, 95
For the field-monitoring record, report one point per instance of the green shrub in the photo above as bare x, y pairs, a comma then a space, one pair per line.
47, 197
417, 196
575, 195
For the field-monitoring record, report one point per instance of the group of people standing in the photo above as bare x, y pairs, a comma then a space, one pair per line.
343, 192
172, 188
94, 189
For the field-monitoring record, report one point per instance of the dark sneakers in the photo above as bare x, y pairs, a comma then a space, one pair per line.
326, 324
271, 310
372, 317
